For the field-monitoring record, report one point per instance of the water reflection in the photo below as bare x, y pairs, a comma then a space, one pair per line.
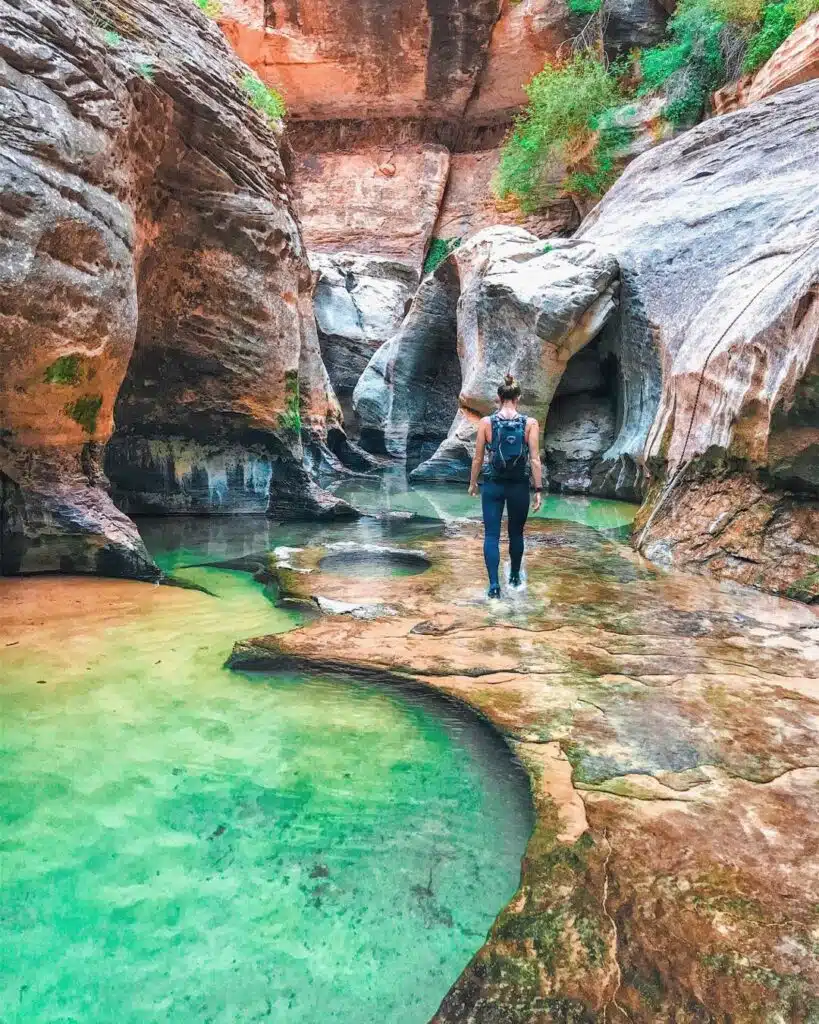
191, 540
392, 492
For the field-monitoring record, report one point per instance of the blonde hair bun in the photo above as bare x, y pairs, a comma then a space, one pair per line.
510, 390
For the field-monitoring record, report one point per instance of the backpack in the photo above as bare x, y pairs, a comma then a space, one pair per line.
508, 450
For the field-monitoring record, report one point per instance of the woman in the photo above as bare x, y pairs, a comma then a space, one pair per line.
511, 441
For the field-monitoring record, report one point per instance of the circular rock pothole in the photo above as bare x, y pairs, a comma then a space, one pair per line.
372, 563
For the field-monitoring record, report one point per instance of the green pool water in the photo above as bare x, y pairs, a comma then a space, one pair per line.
450, 501
189, 540
183, 843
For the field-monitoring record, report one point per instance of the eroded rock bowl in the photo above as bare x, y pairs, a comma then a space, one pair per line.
374, 563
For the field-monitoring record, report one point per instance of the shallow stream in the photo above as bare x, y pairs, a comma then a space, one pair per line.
183, 843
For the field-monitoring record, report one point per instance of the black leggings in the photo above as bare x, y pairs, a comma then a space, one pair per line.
493, 495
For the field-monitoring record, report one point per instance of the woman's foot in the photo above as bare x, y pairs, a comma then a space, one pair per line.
514, 579
494, 592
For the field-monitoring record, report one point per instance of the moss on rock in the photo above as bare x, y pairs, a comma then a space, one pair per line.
85, 411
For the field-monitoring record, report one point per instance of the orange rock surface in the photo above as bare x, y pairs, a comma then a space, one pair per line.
332, 59
469, 204
796, 60
378, 201
379, 95
526, 32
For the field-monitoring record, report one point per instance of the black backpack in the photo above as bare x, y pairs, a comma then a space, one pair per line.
508, 450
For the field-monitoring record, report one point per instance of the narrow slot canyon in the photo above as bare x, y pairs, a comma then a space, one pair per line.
281, 741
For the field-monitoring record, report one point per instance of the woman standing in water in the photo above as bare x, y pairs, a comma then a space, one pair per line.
511, 439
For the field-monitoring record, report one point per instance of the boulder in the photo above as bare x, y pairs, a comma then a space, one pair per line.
716, 236
359, 303
503, 301
525, 307
151, 270
408, 393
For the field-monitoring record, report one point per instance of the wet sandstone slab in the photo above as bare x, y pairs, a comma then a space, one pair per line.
670, 727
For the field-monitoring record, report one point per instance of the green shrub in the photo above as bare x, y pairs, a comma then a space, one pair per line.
262, 98
585, 8
565, 100
85, 411
210, 7
146, 70
694, 55
439, 249
64, 370
602, 165
704, 38
290, 419
803, 9
778, 22
111, 38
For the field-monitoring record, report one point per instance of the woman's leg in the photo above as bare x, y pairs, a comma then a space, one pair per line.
492, 498
517, 508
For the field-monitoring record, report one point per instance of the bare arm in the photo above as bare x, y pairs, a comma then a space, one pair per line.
534, 461
477, 458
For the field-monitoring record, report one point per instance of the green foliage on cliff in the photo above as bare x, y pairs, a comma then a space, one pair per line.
264, 99
65, 370
585, 8
778, 21
569, 140
290, 419
210, 7
566, 102
712, 42
600, 169
803, 9
85, 411
145, 69
439, 249
692, 64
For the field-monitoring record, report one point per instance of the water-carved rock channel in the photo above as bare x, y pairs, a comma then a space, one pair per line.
325, 831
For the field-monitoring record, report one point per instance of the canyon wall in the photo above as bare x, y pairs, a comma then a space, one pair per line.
716, 236
151, 270
396, 115
402, 107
